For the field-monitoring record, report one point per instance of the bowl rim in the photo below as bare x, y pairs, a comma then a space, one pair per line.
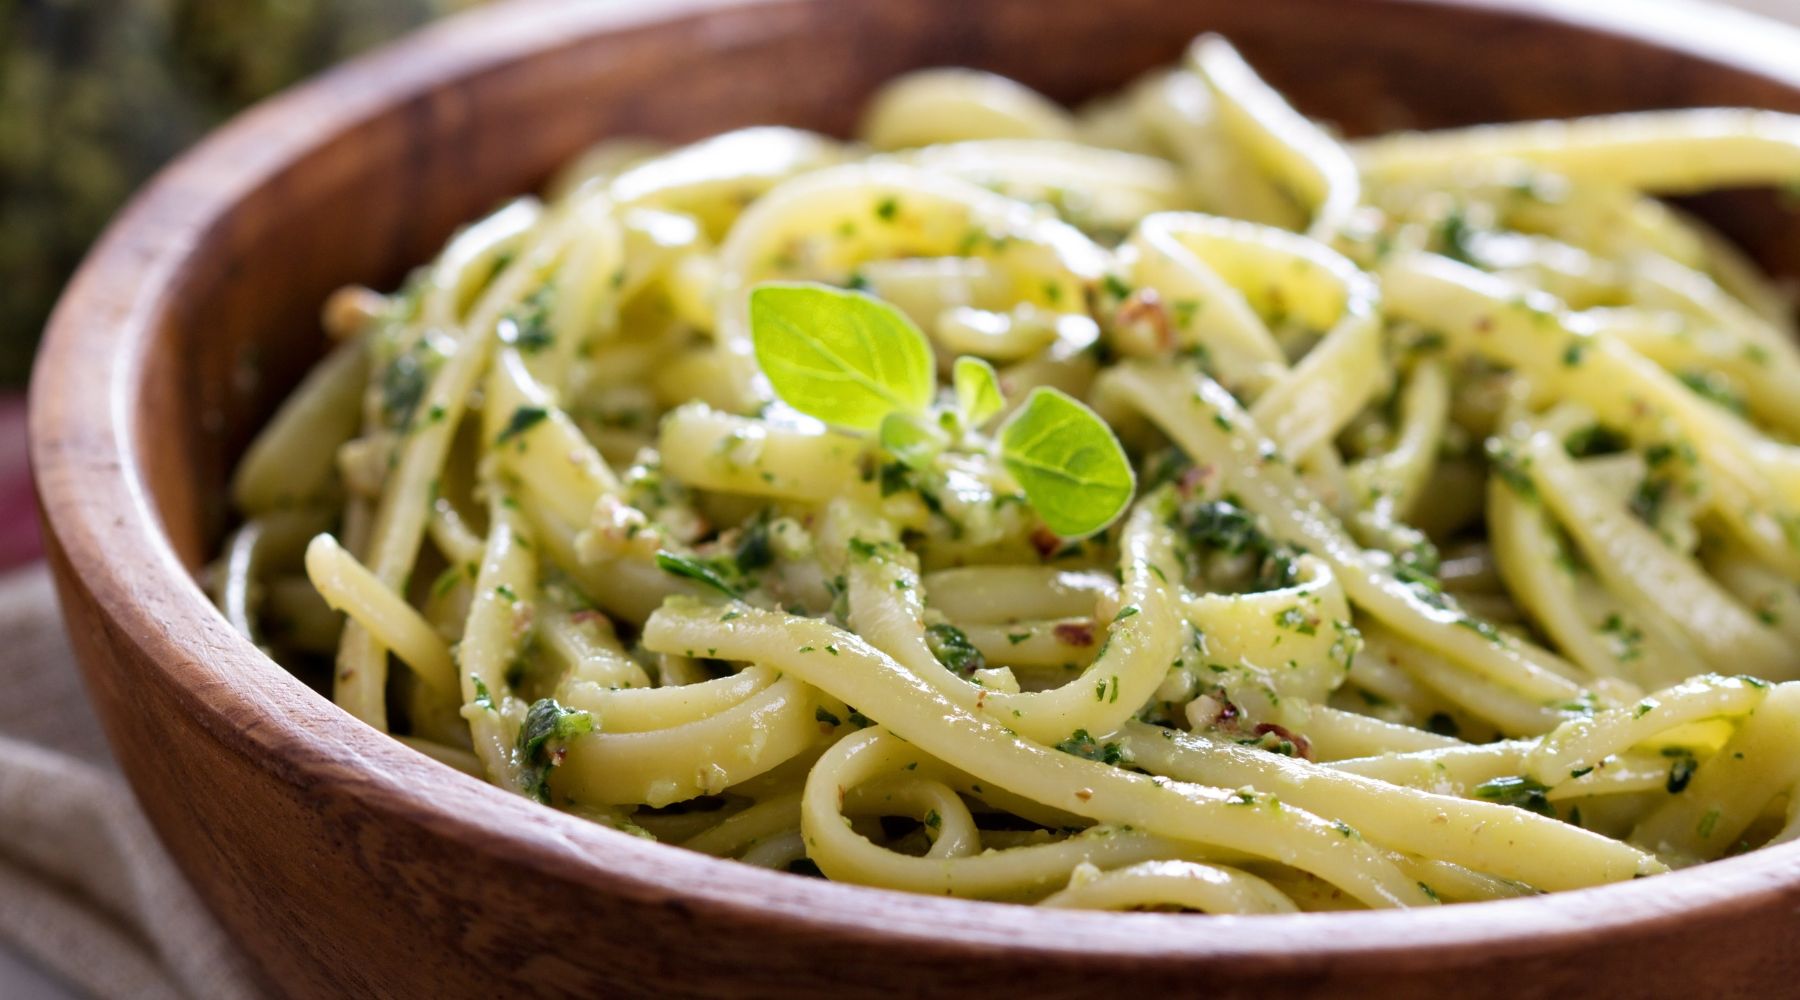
89, 380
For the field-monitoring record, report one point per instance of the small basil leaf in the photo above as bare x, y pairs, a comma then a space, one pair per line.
911, 440
978, 395
844, 357
1067, 461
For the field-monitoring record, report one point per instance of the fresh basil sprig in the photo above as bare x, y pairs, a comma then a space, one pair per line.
860, 364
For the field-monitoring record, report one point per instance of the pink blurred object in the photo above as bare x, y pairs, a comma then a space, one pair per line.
19, 540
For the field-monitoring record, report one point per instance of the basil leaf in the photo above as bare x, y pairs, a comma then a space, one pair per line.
978, 395
844, 357
1067, 461
911, 440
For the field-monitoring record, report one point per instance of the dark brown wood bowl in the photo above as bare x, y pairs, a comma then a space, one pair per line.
347, 864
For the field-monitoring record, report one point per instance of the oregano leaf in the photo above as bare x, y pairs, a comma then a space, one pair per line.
1068, 462
844, 357
978, 395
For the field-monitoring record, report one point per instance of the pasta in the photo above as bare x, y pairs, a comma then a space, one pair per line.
1165, 504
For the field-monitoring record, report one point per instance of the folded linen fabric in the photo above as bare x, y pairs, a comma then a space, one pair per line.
86, 891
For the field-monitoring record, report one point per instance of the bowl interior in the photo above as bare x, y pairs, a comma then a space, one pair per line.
364, 174
382, 191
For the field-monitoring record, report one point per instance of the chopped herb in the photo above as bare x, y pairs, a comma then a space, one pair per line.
895, 476
826, 717
954, 650
696, 570
1081, 744
1715, 388
1512, 469
1627, 638
402, 387
1681, 769
1519, 791
1481, 628
753, 549
1648, 499
1428, 342
547, 728
1224, 527
1456, 237
1295, 620
1594, 439
446, 581
1425, 587
528, 326
523, 419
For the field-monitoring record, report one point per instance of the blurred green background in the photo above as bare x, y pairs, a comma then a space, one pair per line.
96, 94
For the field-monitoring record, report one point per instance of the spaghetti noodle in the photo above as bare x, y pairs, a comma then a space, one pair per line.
1297, 524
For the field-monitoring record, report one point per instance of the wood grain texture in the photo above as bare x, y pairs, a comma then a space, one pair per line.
349, 865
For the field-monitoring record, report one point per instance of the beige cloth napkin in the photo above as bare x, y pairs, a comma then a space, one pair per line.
86, 892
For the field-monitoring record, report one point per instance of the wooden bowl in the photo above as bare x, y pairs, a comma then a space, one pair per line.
347, 864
